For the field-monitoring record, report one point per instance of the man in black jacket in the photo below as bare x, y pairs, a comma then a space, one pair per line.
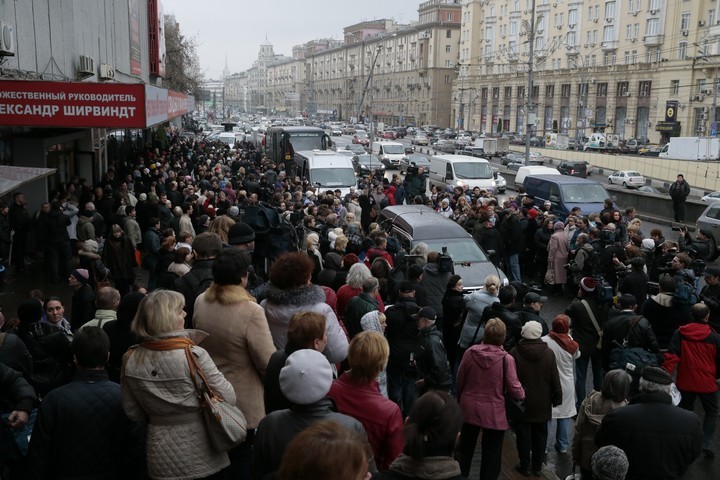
710, 295
660, 440
679, 191
206, 247
81, 430
402, 335
431, 356
625, 324
503, 311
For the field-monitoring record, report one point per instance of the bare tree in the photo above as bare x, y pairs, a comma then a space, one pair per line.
182, 67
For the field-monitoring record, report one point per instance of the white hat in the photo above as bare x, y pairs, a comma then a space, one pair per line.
306, 377
532, 330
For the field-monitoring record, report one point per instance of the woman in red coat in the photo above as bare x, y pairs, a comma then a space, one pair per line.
356, 393
486, 372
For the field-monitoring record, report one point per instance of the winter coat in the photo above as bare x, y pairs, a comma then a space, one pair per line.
157, 386
132, 231
346, 292
664, 316
15, 354
584, 331
52, 358
660, 440
538, 373
618, 327
277, 430
380, 417
565, 362
239, 343
85, 229
82, 432
401, 333
93, 263
56, 228
486, 372
119, 256
192, 284
429, 468
590, 415
432, 361
695, 351
509, 318
475, 303
679, 190
356, 308
435, 283
280, 305
151, 244
558, 256
635, 283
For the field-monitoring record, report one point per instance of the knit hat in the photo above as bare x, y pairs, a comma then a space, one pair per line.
90, 246
648, 244
349, 260
81, 275
588, 284
532, 330
425, 312
609, 463
306, 377
240, 233
712, 272
234, 211
656, 375
706, 232
558, 226
532, 213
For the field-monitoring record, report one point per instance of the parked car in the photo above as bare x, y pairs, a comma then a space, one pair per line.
413, 224
711, 197
365, 163
632, 145
710, 220
573, 168
650, 150
537, 142
414, 159
627, 178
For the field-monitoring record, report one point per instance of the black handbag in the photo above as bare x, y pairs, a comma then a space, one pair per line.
514, 409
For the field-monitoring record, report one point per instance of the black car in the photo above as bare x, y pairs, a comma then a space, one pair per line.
574, 169
400, 132
365, 163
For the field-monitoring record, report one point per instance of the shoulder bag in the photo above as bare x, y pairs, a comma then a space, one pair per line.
594, 322
514, 409
632, 359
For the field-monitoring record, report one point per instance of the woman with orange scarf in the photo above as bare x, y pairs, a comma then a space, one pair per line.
566, 351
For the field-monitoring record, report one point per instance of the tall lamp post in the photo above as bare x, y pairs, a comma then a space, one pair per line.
530, 118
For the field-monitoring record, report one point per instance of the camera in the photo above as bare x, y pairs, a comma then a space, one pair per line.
412, 169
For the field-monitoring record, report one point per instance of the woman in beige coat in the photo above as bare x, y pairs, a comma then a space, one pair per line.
239, 342
157, 386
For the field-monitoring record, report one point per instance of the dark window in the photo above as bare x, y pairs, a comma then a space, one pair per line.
602, 89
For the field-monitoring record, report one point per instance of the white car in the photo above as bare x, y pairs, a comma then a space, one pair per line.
627, 178
711, 197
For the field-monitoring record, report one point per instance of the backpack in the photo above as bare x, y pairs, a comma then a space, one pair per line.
684, 293
590, 262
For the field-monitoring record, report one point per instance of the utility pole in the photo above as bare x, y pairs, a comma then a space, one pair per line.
530, 119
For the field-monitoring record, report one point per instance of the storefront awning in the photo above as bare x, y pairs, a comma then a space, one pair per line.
13, 177
89, 105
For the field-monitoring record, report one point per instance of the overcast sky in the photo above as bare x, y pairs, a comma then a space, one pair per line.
238, 27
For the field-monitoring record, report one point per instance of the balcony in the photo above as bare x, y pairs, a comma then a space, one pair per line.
653, 40
610, 46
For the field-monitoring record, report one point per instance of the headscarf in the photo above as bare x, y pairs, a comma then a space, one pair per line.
559, 333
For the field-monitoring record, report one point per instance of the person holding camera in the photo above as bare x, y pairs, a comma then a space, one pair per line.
416, 183
699, 248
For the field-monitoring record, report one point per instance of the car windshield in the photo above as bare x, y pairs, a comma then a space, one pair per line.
583, 193
472, 170
368, 160
361, 134
462, 250
333, 177
394, 149
418, 159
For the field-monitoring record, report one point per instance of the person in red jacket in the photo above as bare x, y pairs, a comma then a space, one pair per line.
356, 393
695, 350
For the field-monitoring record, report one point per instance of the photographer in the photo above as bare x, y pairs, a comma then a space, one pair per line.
416, 183
699, 248
710, 295
668, 250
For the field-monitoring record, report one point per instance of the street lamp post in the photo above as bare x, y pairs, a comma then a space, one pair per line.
530, 120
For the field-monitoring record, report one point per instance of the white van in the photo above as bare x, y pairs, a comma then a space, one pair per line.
326, 170
533, 170
389, 153
228, 138
462, 171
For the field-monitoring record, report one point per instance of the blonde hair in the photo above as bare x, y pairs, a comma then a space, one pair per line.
220, 226
157, 313
492, 285
367, 355
341, 242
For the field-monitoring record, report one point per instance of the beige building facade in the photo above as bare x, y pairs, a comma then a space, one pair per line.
614, 66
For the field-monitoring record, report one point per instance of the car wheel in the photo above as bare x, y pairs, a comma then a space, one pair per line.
625, 184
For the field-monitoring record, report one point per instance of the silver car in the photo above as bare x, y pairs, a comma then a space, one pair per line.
710, 220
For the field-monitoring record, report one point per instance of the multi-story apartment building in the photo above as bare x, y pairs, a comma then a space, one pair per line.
236, 91
599, 65
286, 87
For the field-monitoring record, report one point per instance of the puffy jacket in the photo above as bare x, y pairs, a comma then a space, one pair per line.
432, 360
538, 373
589, 418
695, 350
481, 386
475, 303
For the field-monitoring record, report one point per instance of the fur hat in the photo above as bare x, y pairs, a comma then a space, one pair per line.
588, 284
532, 330
306, 377
240, 233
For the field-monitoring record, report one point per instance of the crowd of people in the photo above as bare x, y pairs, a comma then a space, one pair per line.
278, 291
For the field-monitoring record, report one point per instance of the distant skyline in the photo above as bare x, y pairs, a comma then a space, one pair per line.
237, 29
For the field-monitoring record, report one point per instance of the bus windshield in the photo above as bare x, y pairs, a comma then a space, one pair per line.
333, 177
472, 170
306, 140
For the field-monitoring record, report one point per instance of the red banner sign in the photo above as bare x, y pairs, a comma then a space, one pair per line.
86, 105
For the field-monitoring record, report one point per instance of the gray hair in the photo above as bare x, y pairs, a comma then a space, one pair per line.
357, 275
370, 284
420, 249
616, 385
647, 386
583, 237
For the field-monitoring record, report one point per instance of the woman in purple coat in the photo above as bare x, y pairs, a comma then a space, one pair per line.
485, 373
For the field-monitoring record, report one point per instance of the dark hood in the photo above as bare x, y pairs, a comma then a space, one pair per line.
532, 350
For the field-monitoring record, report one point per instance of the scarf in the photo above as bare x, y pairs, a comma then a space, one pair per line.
559, 333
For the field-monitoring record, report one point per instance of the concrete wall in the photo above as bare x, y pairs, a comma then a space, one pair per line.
703, 176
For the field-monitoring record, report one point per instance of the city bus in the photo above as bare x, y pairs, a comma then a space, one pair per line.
281, 143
